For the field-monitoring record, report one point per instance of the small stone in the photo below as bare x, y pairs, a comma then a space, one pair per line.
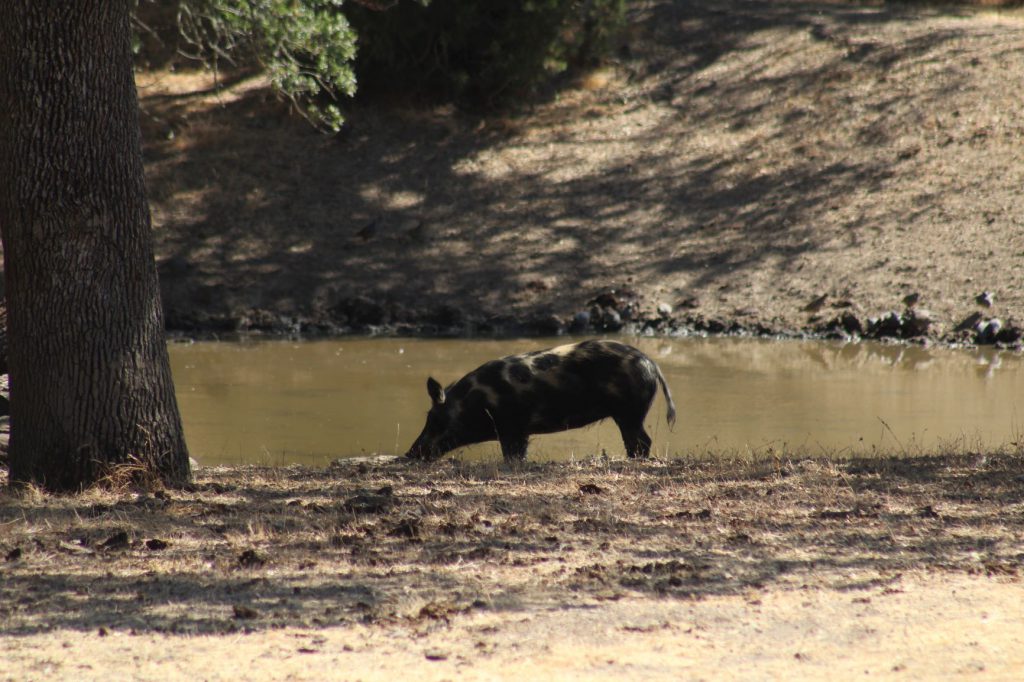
985, 299
548, 325
1009, 334
664, 309
714, 326
435, 655
990, 330
850, 324
606, 299
611, 320
580, 322
969, 323
916, 323
816, 305
889, 325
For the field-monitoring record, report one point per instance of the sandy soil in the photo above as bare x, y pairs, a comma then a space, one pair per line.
737, 161
652, 570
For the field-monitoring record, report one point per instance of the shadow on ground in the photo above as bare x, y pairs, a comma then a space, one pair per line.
733, 142
382, 542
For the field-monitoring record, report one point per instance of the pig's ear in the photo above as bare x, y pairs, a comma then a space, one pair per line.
435, 391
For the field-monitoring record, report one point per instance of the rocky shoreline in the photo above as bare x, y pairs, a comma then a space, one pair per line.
609, 312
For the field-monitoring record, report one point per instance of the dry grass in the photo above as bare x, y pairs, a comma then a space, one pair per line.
381, 542
698, 569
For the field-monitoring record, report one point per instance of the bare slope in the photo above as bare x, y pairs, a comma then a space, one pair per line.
739, 160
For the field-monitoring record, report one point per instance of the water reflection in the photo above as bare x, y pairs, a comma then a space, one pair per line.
281, 402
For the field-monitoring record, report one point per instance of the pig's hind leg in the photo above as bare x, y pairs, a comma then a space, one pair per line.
634, 437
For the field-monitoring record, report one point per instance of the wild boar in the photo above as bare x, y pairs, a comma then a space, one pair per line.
544, 391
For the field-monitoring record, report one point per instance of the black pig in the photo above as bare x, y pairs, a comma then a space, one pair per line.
544, 391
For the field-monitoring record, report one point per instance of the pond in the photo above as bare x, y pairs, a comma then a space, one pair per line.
282, 402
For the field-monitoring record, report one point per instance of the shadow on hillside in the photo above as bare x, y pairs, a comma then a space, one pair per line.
283, 548
405, 207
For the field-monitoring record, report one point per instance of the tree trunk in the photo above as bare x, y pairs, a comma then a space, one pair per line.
90, 379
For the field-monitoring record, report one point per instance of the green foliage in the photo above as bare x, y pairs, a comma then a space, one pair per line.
306, 47
480, 52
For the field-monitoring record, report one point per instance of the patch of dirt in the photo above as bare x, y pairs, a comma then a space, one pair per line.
725, 569
736, 163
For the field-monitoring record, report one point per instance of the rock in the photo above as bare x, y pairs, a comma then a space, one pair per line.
691, 303
850, 324
985, 299
816, 305
889, 325
910, 300
841, 326
629, 311
989, 331
547, 325
969, 323
1010, 334
610, 320
580, 322
916, 323
714, 326
664, 310
606, 299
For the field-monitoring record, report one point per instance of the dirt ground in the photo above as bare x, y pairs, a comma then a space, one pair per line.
736, 161
723, 569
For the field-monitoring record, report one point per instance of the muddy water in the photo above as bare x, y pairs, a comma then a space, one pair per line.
281, 402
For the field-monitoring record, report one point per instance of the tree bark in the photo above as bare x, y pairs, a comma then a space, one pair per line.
90, 379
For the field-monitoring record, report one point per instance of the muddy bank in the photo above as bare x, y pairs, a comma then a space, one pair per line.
609, 312
471, 566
